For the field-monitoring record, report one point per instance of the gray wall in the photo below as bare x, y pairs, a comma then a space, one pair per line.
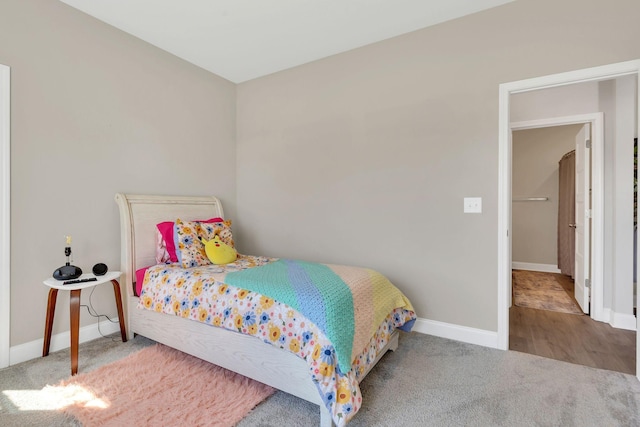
365, 157
535, 172
618, 103
562, 101
94, 112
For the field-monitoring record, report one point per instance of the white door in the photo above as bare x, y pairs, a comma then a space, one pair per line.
583, 217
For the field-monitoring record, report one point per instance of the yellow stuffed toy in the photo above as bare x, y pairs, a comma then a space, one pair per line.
219, 252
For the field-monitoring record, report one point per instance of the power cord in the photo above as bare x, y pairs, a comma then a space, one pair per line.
93, 313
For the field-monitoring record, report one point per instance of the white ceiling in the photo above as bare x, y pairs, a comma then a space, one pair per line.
244, 39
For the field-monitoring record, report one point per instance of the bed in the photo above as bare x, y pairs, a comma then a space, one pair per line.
238, 352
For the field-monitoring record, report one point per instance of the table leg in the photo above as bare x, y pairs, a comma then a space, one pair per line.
48, 325
116, 292
74, 301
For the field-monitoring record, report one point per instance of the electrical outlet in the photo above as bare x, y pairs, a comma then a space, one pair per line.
473, 205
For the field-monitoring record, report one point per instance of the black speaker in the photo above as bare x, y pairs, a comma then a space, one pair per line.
100, 269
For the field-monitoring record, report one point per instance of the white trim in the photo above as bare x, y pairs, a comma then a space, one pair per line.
556, 121
5, 215
597, 196
623, 321
604, 72
33, 349
504, 173
530, 266
504, 216
456, 332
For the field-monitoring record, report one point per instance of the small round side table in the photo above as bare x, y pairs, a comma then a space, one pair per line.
74, 303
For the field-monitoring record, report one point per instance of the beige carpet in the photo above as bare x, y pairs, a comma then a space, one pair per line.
159, 386
428, 382
542, 291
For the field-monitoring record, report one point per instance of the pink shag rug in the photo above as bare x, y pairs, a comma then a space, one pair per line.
160, 386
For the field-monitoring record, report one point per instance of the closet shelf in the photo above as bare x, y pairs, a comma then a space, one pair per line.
530, 199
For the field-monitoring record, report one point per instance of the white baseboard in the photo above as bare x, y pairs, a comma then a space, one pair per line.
456, 332
618, 320
31, 350
605, 317
623, 321
545, 268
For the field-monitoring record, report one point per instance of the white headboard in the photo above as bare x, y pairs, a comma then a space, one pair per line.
139, 215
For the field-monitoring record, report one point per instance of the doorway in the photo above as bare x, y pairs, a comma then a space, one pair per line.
541, 243
5, 225
504, 217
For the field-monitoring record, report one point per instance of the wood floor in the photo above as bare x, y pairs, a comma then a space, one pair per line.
572, 338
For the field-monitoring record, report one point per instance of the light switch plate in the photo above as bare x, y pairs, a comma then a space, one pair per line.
473, 205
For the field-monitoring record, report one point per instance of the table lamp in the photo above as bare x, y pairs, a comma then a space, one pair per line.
67, 271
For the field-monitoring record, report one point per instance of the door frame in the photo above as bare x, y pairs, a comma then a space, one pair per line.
5, 212
596, 120
605, 72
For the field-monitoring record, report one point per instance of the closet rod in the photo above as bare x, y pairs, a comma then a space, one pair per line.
530, 199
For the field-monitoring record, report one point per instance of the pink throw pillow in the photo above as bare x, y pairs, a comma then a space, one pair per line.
140, 279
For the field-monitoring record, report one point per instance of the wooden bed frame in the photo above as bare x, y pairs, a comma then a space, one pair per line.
240, 353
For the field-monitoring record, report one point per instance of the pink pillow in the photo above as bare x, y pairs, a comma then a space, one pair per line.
165, 245
139, 279
166, 231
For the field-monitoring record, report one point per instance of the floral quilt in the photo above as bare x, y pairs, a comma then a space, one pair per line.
203, 294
